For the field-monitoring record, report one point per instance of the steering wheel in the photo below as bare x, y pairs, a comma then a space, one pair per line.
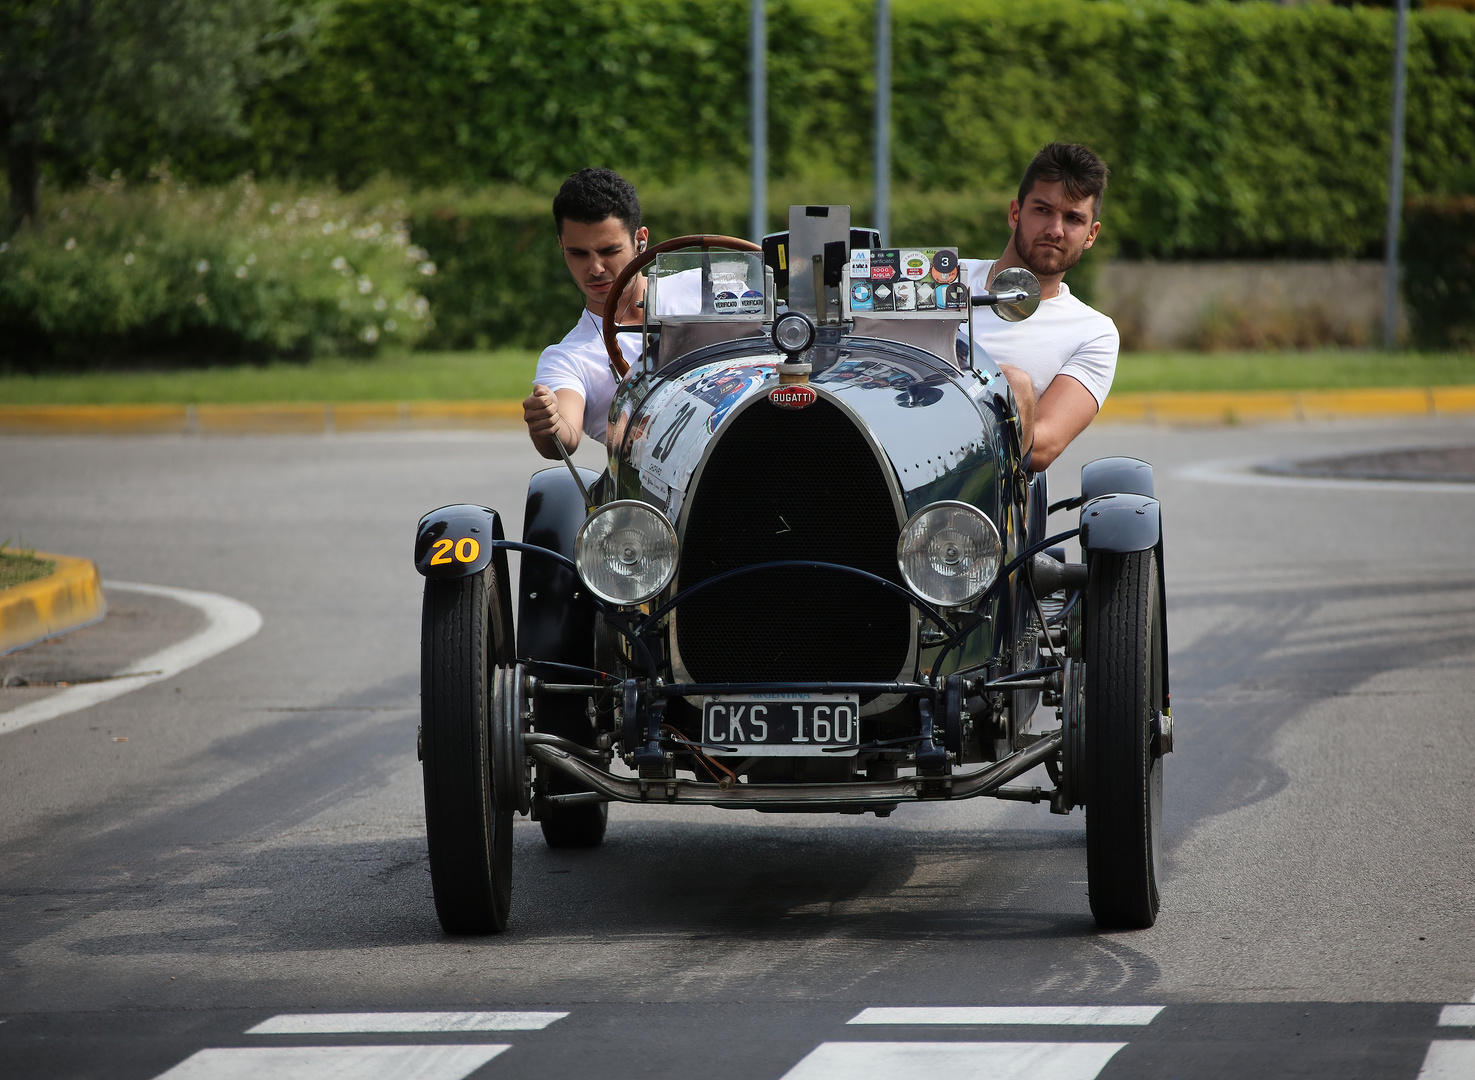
640, 262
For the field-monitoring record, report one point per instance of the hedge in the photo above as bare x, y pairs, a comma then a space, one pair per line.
118, 275
112, 274
1246, 129
1439, 271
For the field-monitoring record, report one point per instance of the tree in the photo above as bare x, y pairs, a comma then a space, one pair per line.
73, 71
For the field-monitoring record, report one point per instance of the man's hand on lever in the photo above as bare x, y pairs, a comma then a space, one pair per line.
550, 415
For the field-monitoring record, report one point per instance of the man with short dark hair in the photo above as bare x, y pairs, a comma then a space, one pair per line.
1061, 360
597, 214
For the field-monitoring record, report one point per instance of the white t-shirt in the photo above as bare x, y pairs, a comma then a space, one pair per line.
1063, 337
579, 362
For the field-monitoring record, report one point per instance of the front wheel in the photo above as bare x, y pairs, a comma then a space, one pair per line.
1123, 695
464, 628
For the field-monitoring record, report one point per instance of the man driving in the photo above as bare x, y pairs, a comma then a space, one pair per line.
597, 215
1061, 360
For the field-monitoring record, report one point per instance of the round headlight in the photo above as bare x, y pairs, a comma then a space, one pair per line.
793, 332
949, 553
626, 552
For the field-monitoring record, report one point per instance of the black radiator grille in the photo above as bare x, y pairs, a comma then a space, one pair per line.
791, 484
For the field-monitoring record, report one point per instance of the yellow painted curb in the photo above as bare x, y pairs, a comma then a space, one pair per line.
285, 418
107, 419
291, 418
1225, 407
66, 599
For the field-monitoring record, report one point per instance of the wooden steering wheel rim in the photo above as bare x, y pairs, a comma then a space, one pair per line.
704, 241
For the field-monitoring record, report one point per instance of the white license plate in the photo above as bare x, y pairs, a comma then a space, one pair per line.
781, 725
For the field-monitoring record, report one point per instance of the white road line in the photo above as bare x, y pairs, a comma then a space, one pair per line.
369, 1023
1457, 1016
1242, 472
228, 623
1449, 1060
334, 1063
1097, 1015
955, 1061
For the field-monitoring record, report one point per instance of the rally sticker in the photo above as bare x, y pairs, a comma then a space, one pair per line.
914, 265
726, 303
750, 303
945, 266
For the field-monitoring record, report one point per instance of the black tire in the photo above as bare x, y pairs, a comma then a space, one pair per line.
1123, 693
463, 630
576, 826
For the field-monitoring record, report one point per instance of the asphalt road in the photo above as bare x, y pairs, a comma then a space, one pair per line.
255, 848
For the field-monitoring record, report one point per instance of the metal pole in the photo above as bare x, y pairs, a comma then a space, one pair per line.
883, 120
1395, 180
758, 110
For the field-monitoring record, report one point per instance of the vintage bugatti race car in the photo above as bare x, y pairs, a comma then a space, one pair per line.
816, 576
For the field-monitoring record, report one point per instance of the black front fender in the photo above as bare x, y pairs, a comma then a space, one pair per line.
456, 541
1116, 475
555, 618
1120, 523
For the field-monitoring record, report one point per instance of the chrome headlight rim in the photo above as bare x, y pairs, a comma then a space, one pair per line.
662, 524
914, 522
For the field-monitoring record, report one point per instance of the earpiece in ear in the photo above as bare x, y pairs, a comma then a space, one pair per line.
641, 247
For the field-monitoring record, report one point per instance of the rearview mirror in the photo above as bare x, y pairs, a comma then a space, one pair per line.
1016, 279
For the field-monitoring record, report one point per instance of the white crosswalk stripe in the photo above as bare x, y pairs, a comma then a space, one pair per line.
1457, 1016
334, 1063
1055, 1015
1449, 1059
955, 1061
367, 1023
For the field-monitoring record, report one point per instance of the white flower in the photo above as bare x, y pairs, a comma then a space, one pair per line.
365, 286
427, 268
422, 307
201, 300
251, 259
340, 264
370, 334
71, 244
415, 254
380, 304
327, 228
202, 267
390, 325
241, 272
128, 259
140, 240
274, 209
4, 246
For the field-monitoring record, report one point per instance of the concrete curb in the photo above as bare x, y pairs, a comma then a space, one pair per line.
1210, 407
69, 598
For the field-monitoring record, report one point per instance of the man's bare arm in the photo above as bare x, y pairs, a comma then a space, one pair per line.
1063, 412
554, 414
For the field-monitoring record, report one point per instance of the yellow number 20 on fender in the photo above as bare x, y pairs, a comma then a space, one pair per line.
465, 550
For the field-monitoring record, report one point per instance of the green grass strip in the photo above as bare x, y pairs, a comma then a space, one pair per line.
18, 569
1323, 369
507, 374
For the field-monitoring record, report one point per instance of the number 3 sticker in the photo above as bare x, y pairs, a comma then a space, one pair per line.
465, 550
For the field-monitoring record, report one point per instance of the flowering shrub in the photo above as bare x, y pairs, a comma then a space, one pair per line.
247, 269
